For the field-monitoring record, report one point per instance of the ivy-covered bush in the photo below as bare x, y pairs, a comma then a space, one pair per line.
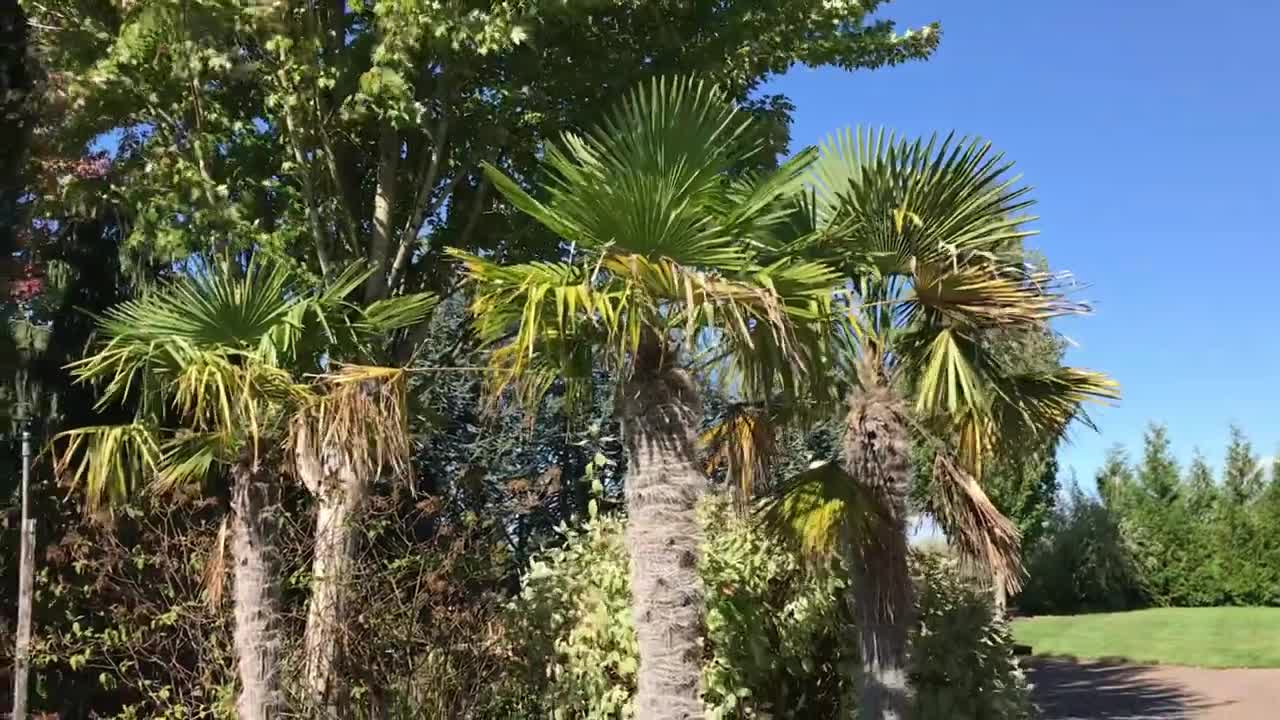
780, 643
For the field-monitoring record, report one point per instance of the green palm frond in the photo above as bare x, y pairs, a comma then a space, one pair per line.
339, 288
208, 309
760, 210
188, 459
548, 310
316, 323
918, 201
385, 316
823, 510
650, 181
1043, 404
528, 309
107, 461
949, 380
567, 363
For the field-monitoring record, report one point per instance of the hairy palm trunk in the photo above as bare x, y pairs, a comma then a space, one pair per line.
660, 408
340, 493
877, 454
255, 514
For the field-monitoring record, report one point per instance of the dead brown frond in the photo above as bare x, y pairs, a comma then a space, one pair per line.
993, 294
979, 531
744, 444
359, 410
215, 571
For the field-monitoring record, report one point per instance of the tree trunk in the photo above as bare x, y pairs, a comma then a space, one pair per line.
660, 408
340, 493
255, 513
877, 454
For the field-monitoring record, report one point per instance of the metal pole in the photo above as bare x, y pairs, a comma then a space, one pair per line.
26, 575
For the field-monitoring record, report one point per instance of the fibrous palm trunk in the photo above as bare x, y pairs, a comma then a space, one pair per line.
255, 516
660, 408
877, 454
340, 493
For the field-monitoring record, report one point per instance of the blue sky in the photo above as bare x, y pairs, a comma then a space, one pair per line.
1151, 132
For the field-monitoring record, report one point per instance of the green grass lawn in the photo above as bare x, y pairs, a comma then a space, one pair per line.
1203, 637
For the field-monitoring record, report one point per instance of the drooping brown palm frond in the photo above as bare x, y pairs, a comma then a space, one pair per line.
744, 445
214, 579
360, 409
974, 526
990, 292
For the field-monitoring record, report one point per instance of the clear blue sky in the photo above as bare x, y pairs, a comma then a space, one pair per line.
1151, 132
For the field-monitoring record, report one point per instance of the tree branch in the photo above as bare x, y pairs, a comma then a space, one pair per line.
422, 207
309, 194
340, 193
416, 335
384, 199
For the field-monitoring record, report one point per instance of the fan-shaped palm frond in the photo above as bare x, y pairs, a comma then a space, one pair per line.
651, 179
923, 201
207, 309
823, 509
107, 460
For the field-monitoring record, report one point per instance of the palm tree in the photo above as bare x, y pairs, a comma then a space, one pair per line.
929, 236
216, 366
666, 248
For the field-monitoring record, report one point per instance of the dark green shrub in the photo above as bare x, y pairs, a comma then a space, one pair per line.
1086, 562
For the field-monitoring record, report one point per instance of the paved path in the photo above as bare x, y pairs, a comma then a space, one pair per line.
1086, 690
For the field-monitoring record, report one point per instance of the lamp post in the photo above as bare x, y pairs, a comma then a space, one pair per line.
26, 575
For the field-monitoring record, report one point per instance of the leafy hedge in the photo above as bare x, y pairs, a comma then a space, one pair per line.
962, 662
780, 641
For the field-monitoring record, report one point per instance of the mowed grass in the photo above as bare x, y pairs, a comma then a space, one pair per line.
1200, 637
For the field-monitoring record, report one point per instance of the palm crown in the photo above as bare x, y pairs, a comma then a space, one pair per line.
928, 235
218, 366
664, 239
